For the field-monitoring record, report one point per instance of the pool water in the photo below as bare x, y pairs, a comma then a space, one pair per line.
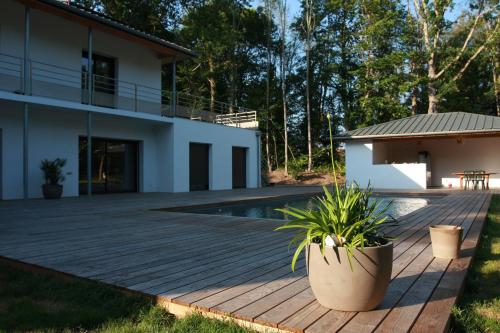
267, 208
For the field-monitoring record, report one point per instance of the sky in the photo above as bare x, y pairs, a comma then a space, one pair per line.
294, 6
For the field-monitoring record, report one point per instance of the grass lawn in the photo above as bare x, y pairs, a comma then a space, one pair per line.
479, 308
40, 302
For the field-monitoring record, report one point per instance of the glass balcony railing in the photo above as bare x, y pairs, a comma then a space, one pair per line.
52, 81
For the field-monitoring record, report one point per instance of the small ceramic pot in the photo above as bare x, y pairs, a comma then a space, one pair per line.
446, 240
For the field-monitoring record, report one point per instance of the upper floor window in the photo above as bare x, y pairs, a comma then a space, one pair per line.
104, 78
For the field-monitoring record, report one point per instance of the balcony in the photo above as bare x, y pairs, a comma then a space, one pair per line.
56, 82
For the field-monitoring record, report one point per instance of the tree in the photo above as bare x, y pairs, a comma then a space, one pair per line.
308, 26
283, 30
269, 13
430, 15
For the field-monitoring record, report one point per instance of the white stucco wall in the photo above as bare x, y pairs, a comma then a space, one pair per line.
447, 155
164, 148
60, 42
222, 139
55, 133
360, 169
56, 120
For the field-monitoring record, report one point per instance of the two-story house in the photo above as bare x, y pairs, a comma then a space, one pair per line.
77, 85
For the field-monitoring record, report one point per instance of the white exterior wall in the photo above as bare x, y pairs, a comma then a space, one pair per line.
163, 148
56, 123
360, 169
60, 42
447, 155
54, 134
222, 139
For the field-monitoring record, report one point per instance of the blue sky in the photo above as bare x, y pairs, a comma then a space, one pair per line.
294, 6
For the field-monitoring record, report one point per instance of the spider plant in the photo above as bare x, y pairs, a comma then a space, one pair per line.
345, 217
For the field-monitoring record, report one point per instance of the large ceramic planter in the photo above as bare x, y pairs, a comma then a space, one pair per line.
446, 241
336, 286
52, 191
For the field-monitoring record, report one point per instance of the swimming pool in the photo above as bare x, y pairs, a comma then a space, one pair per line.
267, 208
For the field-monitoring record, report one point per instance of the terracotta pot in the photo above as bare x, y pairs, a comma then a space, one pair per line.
446, 240
336, 286
52, 191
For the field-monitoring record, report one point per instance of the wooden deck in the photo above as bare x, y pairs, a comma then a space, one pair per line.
238, 267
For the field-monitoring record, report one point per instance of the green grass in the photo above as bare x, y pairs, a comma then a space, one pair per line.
39, 302
479, 308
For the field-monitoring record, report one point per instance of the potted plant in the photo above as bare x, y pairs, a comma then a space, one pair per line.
53, 176
348, 259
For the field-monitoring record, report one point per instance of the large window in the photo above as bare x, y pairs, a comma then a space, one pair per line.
114, 166
104, 79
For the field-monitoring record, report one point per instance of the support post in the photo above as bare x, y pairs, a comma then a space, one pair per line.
259, 176
25, 150
174, 87
90, 87
27, 91
135, 97
90, 69
89, 153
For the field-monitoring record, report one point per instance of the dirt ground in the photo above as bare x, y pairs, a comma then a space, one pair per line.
278, 177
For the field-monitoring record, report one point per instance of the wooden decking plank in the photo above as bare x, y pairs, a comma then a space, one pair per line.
174, 290
443, 217
286, 309
303, 318
330, 322
414, 264
435, 316
409, 255
363, 322
149, 276
402, 316
243, 269
233, 305
91, 268
271, 300
257, 273
367, 321
237, 290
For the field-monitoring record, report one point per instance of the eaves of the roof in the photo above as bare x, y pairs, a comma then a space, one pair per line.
73, 9
426, 125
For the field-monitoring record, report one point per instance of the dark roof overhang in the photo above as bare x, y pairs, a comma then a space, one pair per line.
165, 49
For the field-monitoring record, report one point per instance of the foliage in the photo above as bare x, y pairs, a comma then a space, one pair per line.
479, 308
39, 302
52, 170
368, 60
347, 218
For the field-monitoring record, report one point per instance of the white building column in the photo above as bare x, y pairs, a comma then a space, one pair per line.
27, 91
90, 82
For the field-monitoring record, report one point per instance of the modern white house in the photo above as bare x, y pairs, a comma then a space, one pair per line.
423, 151
72, 79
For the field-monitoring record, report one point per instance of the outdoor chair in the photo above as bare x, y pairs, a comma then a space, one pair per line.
480, 177
469, 177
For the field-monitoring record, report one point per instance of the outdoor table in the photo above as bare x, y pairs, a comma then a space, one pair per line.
486, 175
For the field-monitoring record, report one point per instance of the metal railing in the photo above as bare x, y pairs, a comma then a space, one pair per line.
53, 81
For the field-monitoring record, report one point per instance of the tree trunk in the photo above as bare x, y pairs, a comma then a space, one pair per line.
496, 80
433, 99
431, 86
268, 79
308, 107
275, 152
414, 108
285, 128
211, 82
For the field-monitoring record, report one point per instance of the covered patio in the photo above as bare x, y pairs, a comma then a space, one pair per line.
424, 151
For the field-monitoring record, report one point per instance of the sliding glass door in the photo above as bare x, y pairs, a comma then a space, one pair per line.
114, 166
